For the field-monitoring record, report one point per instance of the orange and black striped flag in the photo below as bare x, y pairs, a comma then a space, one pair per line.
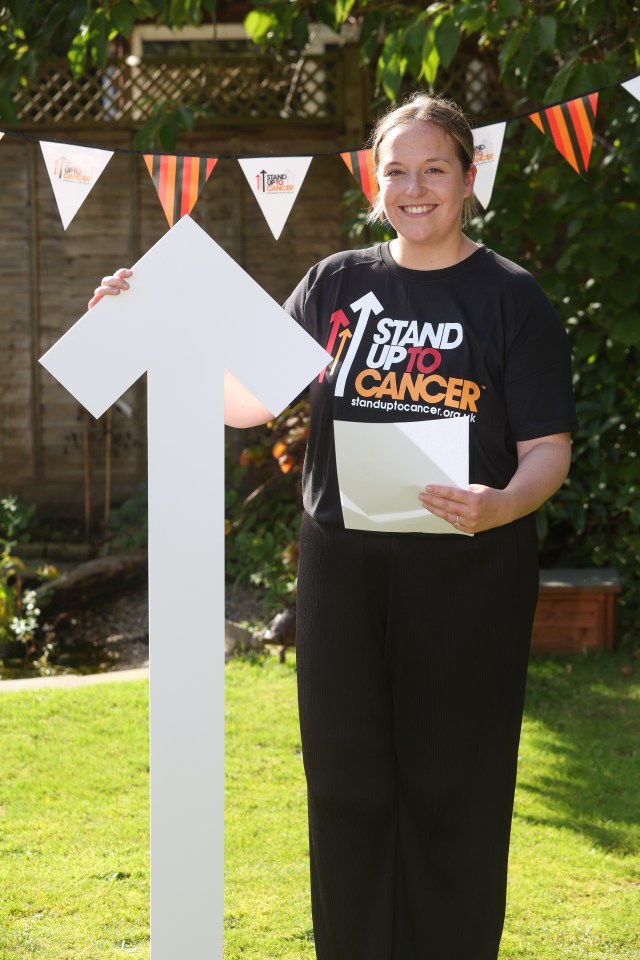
360, 164
178, 181
570, 127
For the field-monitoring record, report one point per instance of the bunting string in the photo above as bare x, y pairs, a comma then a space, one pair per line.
74, 168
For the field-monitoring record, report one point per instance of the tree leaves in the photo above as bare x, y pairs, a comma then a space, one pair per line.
510, 8
544, 32
343, 9
123, 17
164, 126
430, 56
260, 25
447, 39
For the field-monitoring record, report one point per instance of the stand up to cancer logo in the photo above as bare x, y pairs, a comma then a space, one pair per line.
275, 182
77, 170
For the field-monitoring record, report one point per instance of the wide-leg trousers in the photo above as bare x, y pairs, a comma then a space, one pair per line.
412, 656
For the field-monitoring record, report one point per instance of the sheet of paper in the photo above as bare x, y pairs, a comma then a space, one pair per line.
382, 467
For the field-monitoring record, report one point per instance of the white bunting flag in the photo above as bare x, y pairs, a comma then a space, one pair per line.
276, 182
633, 87
73, 171
488, 145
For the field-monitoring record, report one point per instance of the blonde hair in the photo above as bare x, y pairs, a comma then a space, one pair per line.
427, 108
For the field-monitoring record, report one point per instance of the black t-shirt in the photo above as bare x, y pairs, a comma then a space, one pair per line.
477, 339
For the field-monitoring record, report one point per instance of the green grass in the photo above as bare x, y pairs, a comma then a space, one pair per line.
74, 824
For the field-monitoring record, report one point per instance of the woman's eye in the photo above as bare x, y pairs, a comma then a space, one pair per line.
433, 170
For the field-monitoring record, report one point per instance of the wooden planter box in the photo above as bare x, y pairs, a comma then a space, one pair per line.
576, 610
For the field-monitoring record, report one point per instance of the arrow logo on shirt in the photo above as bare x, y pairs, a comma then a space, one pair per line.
343, 337
338, 319
365, 306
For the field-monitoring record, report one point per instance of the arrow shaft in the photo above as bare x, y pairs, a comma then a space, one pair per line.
186, 666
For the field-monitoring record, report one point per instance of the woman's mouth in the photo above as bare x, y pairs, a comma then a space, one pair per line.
416, 210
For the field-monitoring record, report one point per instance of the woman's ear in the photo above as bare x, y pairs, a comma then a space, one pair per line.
469, 180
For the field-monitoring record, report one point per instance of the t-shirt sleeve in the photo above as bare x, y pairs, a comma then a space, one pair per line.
295, 307
537, 378
301, 307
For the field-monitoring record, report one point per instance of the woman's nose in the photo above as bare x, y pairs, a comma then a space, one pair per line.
416, 184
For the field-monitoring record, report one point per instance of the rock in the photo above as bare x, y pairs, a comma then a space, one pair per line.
238, 640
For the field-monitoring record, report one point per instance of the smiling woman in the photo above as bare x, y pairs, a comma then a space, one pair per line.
410, 747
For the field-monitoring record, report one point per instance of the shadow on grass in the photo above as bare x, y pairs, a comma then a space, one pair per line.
586, 715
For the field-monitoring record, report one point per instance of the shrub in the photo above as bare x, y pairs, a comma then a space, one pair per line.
128, 527
263, 505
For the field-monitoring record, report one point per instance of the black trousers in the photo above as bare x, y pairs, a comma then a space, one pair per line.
412, 656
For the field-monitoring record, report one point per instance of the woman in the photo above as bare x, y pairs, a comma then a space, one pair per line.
412, 648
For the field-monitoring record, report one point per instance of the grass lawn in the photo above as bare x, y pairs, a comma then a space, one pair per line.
74, 824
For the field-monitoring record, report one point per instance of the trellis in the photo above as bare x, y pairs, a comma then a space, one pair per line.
230, 88
238, 89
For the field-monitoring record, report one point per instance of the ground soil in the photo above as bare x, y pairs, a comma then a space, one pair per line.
113, 633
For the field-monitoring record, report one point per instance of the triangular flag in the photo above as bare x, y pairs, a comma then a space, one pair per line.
488, 146
73, 171
178, 181
633, 87
360, 164
570, 127
276, 182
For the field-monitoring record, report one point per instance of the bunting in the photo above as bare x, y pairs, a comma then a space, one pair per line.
73, 172
360, 164
570, 127
74, 169
178, 181
276, 182
488, 146
633, 87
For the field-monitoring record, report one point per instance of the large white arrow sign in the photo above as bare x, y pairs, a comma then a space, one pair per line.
191, 311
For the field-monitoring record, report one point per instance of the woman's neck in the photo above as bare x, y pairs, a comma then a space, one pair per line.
416, 256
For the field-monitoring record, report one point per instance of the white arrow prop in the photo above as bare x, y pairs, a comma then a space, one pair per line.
191, 311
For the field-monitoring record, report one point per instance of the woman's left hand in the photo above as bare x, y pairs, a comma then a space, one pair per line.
472, 510
542, 466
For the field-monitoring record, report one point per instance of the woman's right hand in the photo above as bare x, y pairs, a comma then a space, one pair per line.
111, 286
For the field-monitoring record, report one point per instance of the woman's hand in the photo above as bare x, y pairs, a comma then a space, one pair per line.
111, 286
472, 510
543, 465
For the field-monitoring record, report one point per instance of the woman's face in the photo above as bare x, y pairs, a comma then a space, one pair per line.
422, 184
